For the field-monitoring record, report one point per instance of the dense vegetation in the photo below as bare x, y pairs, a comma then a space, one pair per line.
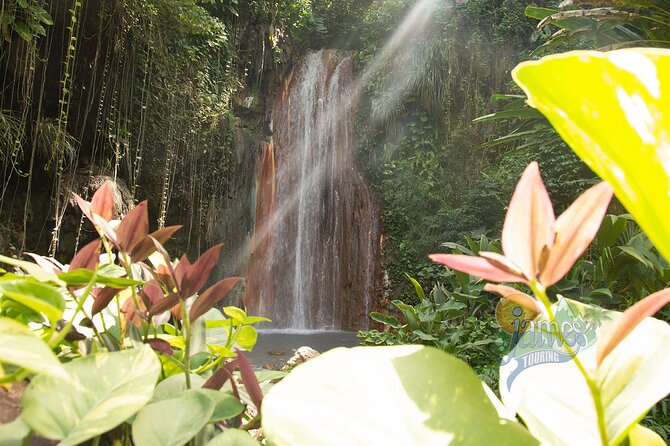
141, 91
158, 95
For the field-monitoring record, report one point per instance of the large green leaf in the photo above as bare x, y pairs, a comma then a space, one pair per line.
172, 421
397, 395
37, 296
642, 436
225, 405
553, 398
19, 346
34, 270
83, 276
175, 385
103, 391
12, 434
613, 109
233, 437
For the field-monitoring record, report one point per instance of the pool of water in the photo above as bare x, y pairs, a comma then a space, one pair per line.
275, 347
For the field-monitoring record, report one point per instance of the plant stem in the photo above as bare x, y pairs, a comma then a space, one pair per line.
540, 291
186, 326
17, 376
127, 265
80, 304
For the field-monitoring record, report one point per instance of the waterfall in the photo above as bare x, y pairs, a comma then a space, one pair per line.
314, 260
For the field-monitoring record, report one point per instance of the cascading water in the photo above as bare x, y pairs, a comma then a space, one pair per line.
315, 256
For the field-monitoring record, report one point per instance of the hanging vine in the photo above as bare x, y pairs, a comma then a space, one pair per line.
61, 140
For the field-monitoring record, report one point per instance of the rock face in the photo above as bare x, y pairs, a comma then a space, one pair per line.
315, 253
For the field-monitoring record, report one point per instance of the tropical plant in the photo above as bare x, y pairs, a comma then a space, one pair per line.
455, 318
121, 337
25, 17
584, 375
620, 267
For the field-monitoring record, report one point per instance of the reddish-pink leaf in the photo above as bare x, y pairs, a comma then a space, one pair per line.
164, 305
575, 229
104, 227
160, 345
131, 313
528, 223
198, 274
103, 296
168, 265
87, 257
133, 228
501, 262
84, 205
249, 380
631, 318
102, 202
514, 295
181, 270
212, 296
146, 246
161, 273
476, 266
153, 291
46, 263
219, 378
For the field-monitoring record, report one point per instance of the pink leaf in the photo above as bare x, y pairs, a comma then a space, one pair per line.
160, 345
219, 378
104, 227
102, 202
212, 296
103, 296
476, 266
146, 246
153, 291
87, 257
529, 221
180, 271
133, 228
84, 205
501, 262
514, 295
164, 304
198, 274
172, 276
249, 380
631, 318
46, 263
575, 229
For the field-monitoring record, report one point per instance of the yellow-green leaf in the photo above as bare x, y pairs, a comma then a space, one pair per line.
401, 395
37, 296
613, 109
22, 348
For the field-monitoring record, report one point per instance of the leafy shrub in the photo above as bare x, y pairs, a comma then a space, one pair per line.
134, 337
457, 319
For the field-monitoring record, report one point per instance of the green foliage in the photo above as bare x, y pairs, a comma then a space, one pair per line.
423, 89
457, 318
99, 392
631, 173
621, 267
27, 18
11, 137
116, 331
